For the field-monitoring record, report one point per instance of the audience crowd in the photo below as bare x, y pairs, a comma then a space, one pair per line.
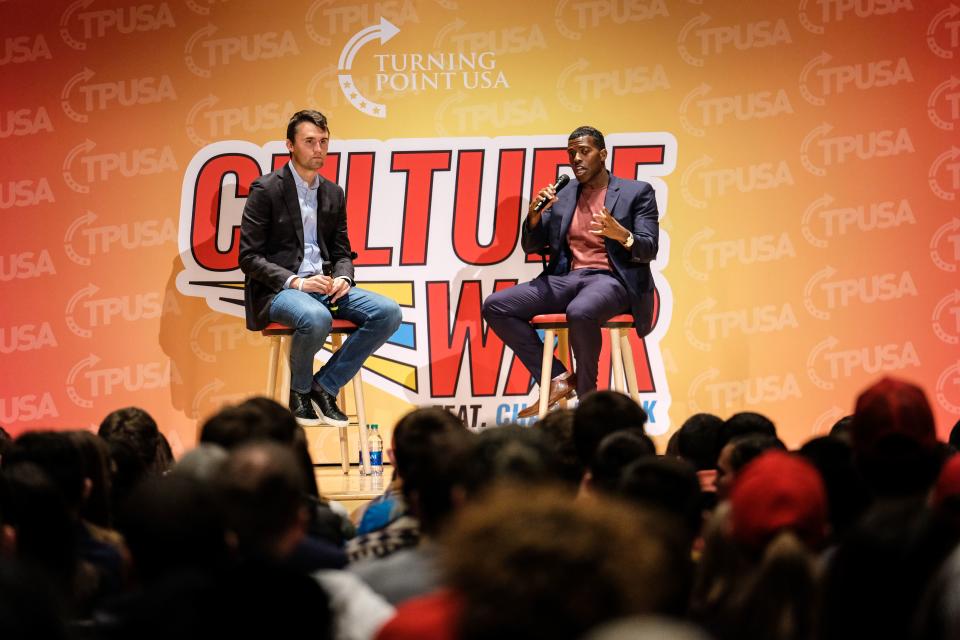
574, 527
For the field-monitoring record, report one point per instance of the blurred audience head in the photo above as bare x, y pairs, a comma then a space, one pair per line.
599, 414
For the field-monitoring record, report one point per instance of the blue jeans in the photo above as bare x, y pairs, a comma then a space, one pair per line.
309, 314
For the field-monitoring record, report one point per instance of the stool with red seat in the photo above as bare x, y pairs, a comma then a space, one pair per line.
278, 386
621, 353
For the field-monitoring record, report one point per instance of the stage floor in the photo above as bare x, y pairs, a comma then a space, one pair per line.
351, 489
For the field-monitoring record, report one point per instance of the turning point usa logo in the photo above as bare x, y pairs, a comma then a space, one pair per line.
398, 73
436, 226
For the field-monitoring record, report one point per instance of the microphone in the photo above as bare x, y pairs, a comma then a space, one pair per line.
561, 183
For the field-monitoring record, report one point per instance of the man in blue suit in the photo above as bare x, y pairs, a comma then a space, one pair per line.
601, 238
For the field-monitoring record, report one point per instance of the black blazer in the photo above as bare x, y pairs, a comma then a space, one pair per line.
271, 239
634, 205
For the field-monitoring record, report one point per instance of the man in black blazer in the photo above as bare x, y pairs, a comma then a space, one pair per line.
601, 237
295, 254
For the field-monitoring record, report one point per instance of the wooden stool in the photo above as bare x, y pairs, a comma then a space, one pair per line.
621, 354
278, 387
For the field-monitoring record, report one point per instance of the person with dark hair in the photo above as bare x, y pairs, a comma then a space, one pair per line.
746, 423
847, 496
557, 429
262, 419
298, 266
387, 523
757, 578
506, 454
737, 453
429, 478
601, 237
59, 457
894, 440
667, 484
136, 428
615, 453
598, 415
699, 441
528, 562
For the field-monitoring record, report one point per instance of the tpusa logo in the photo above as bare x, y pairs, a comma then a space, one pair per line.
221, 52
823, 222
207, 120
87, 382
832, 11
827, 363
819, 80
943, 33
712, 41
82, 240
703, 255
821, 151
946, 318
101, 96
824, 294
701, 182
215, 333
945, 246
85, 312
944, 174
707, 392
413, 72
712, 111
106, 22
578, 86
573, 20
403, 197
705, 324
100, 167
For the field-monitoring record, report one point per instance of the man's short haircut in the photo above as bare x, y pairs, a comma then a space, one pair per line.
579, 132
599, 414
307, 115
746, 423
699, 440
135, 427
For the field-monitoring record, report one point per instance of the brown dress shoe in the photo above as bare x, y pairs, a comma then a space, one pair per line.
563, 386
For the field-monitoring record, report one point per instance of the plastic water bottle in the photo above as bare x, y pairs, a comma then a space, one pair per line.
375, 444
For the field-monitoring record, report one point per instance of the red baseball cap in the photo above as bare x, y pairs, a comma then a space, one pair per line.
892, 406
778, 491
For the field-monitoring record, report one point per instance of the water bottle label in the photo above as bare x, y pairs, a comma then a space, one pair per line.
376, 458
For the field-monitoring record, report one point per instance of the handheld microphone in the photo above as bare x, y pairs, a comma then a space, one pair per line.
561, 183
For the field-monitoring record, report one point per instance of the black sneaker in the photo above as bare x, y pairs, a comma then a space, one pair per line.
326, 406
302, 409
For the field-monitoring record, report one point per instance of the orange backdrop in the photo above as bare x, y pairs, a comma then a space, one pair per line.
810, 220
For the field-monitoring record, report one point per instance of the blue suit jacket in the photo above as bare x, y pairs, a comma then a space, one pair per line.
634, 205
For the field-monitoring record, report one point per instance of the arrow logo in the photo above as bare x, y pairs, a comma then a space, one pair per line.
950, 154
384, 31
815, 29
950, 12
805, 160
952, 83
73, 114
702, 90
820, 203
82, 221
84, 147
206, 31
577, 67
564, 30
953, 225
72, 42
696, 21
819, 61
90, 361
820, 383
823, 274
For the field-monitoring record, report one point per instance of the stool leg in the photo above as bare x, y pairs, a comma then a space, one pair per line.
545, 371
285, 344
616, 356
631, 367
336, 340
271, 391
564, 346
361, 423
